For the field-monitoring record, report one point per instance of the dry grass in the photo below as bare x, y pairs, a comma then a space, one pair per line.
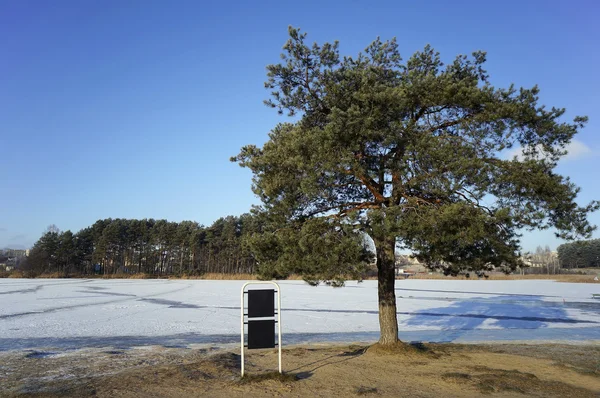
559, 278
217, 277
52, 275
223, 276
431, 370
261, 377
140, 276
228, 277
503, 277
16, 274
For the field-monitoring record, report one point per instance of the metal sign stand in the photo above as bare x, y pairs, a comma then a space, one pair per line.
259, 310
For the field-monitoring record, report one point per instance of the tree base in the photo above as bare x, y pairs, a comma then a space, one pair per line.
400, 348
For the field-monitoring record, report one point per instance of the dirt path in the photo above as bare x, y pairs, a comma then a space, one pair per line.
432, 370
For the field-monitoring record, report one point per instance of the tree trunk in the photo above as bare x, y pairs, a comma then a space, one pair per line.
388, 321
181, 259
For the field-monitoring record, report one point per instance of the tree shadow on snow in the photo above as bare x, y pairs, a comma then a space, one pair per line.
503, 312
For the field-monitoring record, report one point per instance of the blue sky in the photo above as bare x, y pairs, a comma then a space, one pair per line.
132, 109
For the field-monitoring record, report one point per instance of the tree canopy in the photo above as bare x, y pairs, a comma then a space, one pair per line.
410, 152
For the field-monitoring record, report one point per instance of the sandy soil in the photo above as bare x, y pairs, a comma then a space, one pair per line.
440, 370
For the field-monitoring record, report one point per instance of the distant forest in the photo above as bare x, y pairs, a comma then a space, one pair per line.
580, 254
154, 247
163, 248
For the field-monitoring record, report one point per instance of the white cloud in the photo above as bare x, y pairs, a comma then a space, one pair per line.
575, 150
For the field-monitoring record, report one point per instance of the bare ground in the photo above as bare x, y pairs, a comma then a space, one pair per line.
429, 370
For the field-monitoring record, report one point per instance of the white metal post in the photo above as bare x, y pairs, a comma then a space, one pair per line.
242, 321
279, 323
278, 319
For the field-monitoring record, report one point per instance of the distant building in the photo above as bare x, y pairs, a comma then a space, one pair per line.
408, 263
5, 266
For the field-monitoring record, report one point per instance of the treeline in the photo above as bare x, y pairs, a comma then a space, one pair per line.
580, 254
154, 247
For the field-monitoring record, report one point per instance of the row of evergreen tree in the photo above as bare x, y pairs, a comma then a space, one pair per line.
160, 247
155, 247
580, 254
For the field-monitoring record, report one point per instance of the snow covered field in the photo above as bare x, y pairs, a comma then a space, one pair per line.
80, 313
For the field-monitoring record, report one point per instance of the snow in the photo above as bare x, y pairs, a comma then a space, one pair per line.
79, 313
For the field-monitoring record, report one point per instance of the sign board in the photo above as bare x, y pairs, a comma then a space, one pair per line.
261, 303
261, 318
261, 334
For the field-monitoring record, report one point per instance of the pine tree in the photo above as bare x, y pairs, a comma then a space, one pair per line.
408, 152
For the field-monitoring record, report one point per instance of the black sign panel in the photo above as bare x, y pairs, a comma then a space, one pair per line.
261, 303
261, 334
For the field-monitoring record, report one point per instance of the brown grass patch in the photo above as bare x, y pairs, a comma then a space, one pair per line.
276, 376
140, 276
52, 275
16, 274
223, 276
362, 390
332, 370
235, 277
456, 377
499, 380
558, 278
215, 276
503, 277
